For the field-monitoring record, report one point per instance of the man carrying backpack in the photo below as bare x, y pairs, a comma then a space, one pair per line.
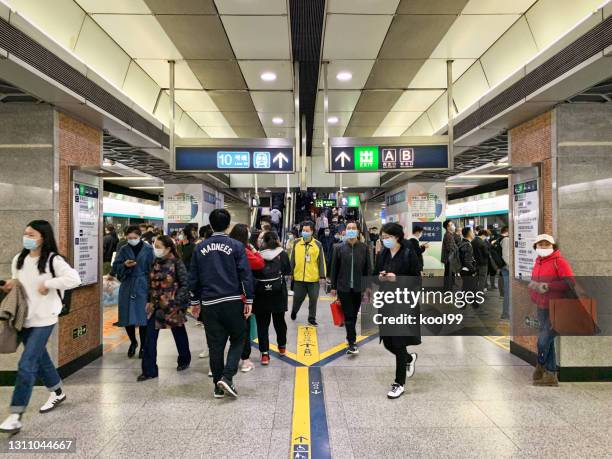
500, 252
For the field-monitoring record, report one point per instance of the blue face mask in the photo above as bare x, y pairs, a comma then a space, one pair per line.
306, 234
29, 243
133, 242
352, 233
389, 243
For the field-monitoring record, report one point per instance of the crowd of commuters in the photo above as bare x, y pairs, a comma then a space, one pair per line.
226, 276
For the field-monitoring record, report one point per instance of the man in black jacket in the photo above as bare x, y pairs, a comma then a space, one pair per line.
481, 257
468, 263
350, 264
449, 247
416, 246
219, 276
109, 242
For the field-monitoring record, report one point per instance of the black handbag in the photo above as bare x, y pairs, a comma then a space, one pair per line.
67, 298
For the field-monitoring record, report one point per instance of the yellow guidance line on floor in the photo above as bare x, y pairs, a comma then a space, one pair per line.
300, 431
496, 340
307, 345
338, 347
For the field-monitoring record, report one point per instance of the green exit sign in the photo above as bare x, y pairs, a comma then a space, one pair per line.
366, 158
79, 331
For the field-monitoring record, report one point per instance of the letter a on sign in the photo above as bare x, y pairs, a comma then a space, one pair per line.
389, 158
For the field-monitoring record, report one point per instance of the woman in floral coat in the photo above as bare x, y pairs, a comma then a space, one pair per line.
168, 300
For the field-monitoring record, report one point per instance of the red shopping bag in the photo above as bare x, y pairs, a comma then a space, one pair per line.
337, 313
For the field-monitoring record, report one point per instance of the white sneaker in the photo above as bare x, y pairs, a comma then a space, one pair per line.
410, 367
246, 365
396, 391
210, 373
203, 354
11, 425
53, 401
290, 292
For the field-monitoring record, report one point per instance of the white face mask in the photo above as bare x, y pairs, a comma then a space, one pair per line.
451, 228
544, 252
159, 253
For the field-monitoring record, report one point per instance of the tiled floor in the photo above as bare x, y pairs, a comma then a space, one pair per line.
468, 398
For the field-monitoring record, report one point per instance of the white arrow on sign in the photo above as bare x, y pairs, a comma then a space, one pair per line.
280, 157
342, 157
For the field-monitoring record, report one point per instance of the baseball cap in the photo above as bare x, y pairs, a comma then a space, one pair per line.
544, 237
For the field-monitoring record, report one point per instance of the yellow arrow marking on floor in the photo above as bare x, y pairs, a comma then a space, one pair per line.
300, 431
307, 345
338, 347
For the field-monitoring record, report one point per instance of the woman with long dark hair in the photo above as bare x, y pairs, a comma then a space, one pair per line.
133, 264
396, 260
44, 275
240, 232
168, 301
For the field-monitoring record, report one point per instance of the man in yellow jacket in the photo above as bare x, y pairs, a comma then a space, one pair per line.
308, 269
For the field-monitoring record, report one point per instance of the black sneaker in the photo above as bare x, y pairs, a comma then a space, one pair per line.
352, 349
218, 393
227, 387
293, 315
313, 322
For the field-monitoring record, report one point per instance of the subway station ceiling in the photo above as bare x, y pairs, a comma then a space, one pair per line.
235, 58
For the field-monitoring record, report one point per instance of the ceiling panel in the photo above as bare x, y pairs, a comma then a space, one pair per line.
243, 119
362, 6
101, 53
280, 132
497, 7
403, 119
249, 132
196, 101
393, 73
140, 87
389, 131
162, 109
258, 37
334, 131
179, 6
273, 101
270, 7
471, 35
214, 74
186, 127
550, 19
438, 113
197, 37
266, 119
415, 100
232, 101
158, 69
343, 119
114, 6
431, 6
359, 69
433, 73
415, 36
470, 87
140, 36
377, 101
354, 36
509, 53
362, 119
206, 119
252, 71
221, 132
421, 126
339, 101
359, 131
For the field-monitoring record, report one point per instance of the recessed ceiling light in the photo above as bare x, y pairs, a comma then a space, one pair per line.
268, 76
277, 120
267, 191
344, 76
332, 119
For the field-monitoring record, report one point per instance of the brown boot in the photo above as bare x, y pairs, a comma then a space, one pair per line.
549, 378
538, 372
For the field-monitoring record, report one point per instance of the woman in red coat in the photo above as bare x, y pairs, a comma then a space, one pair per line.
550, 279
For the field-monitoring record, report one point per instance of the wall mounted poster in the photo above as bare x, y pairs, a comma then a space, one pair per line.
85, 216
526, 213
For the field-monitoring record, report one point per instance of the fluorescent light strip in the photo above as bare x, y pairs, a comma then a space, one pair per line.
147, 187
469, 177
128, 178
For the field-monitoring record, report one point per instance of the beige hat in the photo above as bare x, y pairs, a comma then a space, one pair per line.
544, 237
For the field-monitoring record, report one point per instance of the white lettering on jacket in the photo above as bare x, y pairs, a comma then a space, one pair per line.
216, 247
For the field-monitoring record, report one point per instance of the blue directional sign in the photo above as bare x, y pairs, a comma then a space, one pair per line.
234, 160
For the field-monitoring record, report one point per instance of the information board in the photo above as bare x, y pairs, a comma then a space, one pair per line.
387, 158
235, 160
432, 231
526, 215
85, 222
325, 203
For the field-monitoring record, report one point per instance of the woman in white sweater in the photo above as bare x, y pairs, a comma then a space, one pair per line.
43, 290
